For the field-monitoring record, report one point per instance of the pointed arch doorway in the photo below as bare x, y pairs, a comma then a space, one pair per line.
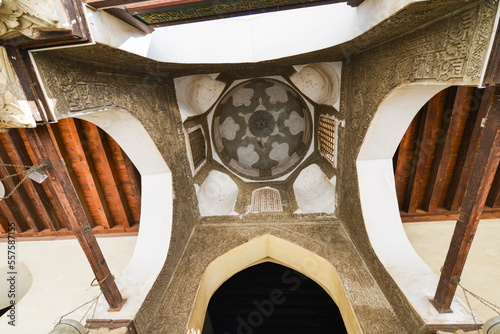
271, 298
291, 260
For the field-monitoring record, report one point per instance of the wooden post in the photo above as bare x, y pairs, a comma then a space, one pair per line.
481, 178
44, 148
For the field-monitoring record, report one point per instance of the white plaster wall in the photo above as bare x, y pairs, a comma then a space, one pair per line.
481, 273
61, 279
250, 38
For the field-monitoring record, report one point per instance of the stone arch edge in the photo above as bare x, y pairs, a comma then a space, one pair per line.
269, 248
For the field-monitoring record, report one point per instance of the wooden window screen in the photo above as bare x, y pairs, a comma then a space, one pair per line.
198, 147
326, 135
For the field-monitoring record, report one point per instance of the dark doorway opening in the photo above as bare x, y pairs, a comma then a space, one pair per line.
269, 298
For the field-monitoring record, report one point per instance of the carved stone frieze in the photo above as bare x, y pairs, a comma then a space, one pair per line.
27, 17
77, 90
15, 111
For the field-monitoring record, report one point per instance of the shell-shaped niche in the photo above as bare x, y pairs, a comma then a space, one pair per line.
313, 191
197, 93
217, 195
320, 82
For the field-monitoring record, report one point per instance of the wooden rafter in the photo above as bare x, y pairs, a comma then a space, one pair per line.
466, 154
79, 162
35, 197
128, 177
114, 197
425, 145
19, 203
404, 159
46, 148
482, 174
457, 107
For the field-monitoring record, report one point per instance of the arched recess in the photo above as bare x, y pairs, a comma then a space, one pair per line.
380, 207
156, 210
272, 249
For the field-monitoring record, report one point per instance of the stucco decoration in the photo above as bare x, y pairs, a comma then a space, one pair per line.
197, 93
15, 111
27, 17
261, 129
217, 195
313, 191
320, 82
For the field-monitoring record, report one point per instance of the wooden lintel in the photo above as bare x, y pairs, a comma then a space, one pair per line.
481, 178
46, 148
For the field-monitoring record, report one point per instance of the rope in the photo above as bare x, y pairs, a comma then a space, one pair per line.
101, 281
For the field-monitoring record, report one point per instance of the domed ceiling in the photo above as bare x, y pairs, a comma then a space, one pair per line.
262, 129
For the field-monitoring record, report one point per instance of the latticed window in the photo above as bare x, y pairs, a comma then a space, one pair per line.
266, 200
198, 147
326, 135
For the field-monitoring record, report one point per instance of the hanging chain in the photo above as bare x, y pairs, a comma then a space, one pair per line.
487, 303
30, 169
470, 308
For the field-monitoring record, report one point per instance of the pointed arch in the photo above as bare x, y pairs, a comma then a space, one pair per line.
273, 249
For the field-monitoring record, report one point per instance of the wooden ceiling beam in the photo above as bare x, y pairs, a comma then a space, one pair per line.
422, 152
92, 192
493, 200
404, 158
27, 136
19, 201
130, 182
15, 156
478, 187
56, 135
467, 151
458, 106
46, 148
115, 199
8, 215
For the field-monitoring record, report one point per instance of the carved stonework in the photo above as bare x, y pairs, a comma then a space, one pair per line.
15, 111
27, 17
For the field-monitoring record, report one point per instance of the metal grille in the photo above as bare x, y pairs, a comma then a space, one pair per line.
197, 143
266, 200
326, 135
